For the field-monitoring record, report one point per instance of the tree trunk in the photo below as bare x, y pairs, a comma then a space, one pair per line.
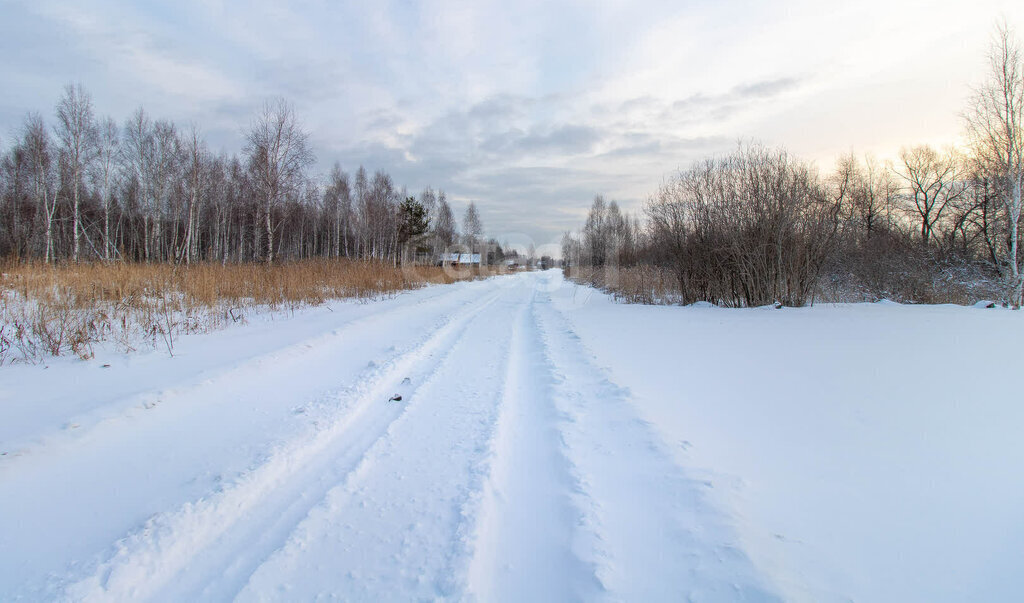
1017, 287
74, 184
269, 233
106, 230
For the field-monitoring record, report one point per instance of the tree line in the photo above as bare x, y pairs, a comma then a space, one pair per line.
82, 187
760, 226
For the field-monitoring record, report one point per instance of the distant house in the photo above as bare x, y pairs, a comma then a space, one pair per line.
461, 259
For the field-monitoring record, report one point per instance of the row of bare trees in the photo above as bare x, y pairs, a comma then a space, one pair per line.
86, 188
758, 226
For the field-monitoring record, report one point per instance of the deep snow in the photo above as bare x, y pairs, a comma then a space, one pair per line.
550, 445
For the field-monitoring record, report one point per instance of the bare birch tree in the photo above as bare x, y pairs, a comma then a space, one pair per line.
995, 122
595, 233
137, 157
337, 199
76, 131
445, 230
36, 143
195, 172
472, 228
108, 153
279, 152
165, 168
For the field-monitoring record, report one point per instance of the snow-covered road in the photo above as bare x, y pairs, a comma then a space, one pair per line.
548, 445
511, 469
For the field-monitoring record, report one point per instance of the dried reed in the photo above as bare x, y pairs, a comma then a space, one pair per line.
48, 310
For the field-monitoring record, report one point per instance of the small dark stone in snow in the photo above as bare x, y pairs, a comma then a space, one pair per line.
395, 398
106, 366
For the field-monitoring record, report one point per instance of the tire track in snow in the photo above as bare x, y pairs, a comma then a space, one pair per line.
96, 421
647, 528
523, 546
401, 526
193, 440
207, 549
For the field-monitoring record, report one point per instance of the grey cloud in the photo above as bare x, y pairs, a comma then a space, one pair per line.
503, 106
767, 88
644, 149
383, 121
549, 181
566, 140
641, 102
435, 170
694, 101
306, 78
664, 146
569, 139
491, 113
544, 201
472, 154
492, 130
719, 107
463, 132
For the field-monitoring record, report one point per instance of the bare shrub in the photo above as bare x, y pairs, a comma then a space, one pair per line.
893, 265
748, 229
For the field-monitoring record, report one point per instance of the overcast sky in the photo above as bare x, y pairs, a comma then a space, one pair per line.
528, 108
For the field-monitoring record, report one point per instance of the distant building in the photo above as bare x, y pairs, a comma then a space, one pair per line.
461, 259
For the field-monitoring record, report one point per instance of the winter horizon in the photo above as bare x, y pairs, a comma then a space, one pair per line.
531, 110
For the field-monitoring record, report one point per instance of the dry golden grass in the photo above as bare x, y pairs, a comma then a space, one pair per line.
635, 284
49, 310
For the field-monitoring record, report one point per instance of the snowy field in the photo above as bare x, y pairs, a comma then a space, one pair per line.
549, 445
